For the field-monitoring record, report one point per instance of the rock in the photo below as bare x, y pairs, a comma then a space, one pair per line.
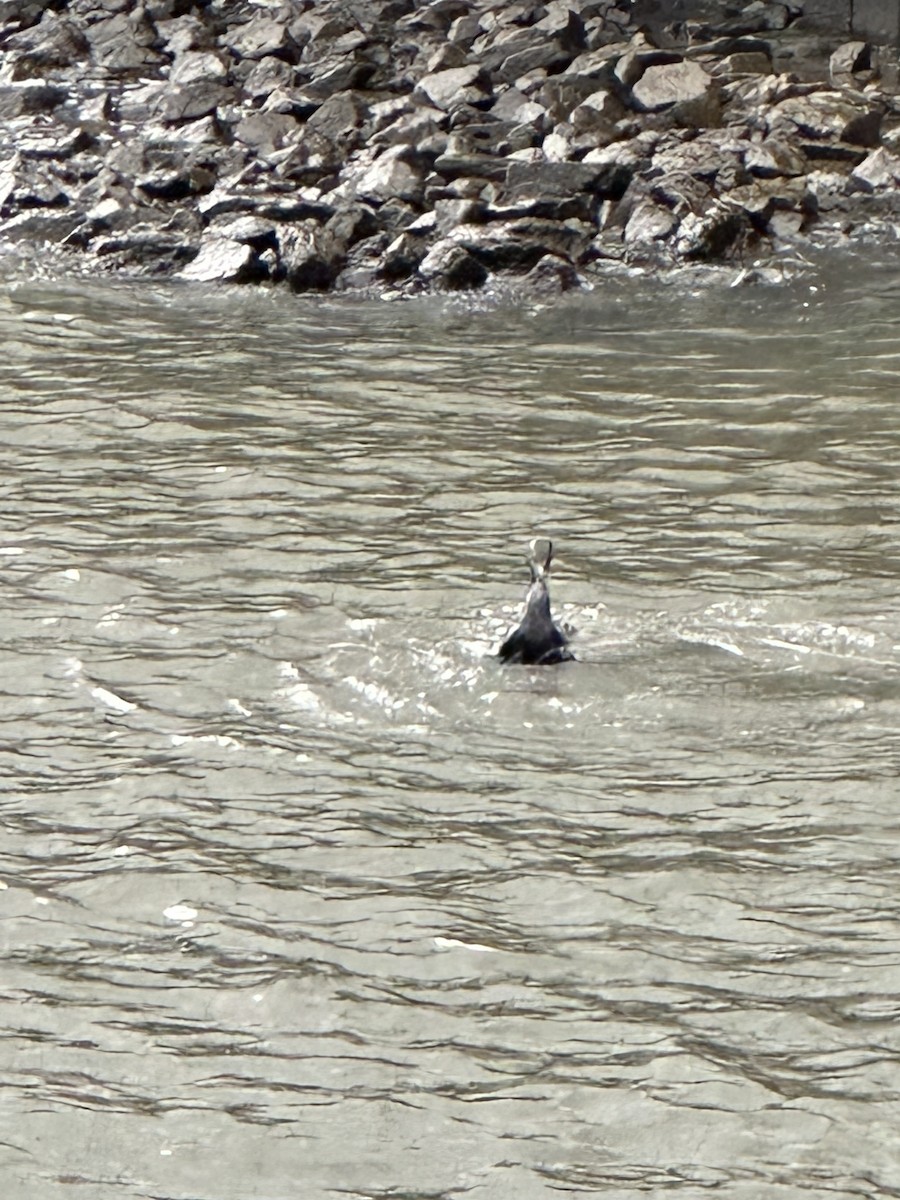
198, 66
25, 185
263, 37
394, 175
848, 59
553, 275
341, 119
305, 259
683, 89
190, 101
403, 255
223, 260
878, 172
54, 43
125, 43
562, 94
597, 115
743, 63
649, 222
29, 99
459, 85
825, 115
265, 133
150, 246
704, 236
552, 183
517, 244
513, 105
773, 157
452, 266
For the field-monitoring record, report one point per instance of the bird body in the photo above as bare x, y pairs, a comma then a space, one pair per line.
537, 641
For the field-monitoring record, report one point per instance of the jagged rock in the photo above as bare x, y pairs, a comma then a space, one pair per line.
597, 115
308, 262
848, 59
395, 174
561, 94
23, 100
513, 105
459, 85
55, 42
649, 222
878, 172
640, 55
450, 265
154, 247
708, 235
266, 133
683, 89
224, 260
403, 255
825, 115
25, 185
517, 244
197, 66
190, 101
552, 274
743, 63
772, 157
341, 119
263, 37
125, 42
552, 183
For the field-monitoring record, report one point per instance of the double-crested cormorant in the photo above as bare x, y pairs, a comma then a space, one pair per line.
537, 641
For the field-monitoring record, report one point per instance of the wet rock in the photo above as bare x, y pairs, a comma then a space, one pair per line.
709, 235
450, 265
403, 256
153, 247
308, 261
221, 259
553, 275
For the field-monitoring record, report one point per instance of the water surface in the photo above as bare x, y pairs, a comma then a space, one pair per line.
304, 895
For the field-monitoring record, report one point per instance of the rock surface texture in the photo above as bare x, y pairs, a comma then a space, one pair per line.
394, 146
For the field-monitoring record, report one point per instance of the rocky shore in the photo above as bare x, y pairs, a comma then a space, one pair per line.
393, 146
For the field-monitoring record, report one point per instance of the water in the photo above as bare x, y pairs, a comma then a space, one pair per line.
302, 894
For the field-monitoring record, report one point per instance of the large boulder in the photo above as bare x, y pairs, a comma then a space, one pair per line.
688, 93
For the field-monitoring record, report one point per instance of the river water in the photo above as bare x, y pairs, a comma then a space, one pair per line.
303, 895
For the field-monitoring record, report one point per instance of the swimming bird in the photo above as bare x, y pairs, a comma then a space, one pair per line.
537, 641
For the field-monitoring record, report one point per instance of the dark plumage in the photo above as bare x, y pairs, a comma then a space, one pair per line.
537, 641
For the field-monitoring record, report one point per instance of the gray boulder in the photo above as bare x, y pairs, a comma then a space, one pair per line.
459, 85
683, 89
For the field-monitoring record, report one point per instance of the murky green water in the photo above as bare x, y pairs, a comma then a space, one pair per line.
303, 895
